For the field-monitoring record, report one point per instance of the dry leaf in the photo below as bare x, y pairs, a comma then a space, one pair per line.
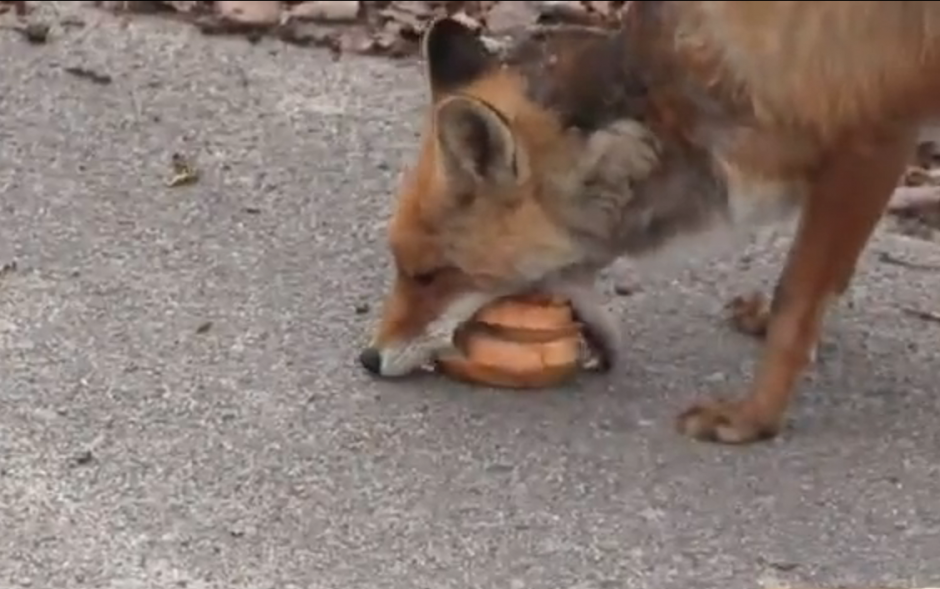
390, 28
906, 198
602, 8
187, 5
148, 6
466, 20
412, 16
326, 10
507, 16
561, 9
184, 173
19, 7
250, 12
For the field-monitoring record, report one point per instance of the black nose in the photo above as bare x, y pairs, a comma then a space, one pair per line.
371, 360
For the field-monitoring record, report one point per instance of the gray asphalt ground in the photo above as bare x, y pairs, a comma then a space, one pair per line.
180, 405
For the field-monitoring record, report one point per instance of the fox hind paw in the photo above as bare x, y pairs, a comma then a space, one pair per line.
725, 421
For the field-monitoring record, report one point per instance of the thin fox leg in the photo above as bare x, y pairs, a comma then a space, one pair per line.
750, 313
846, 202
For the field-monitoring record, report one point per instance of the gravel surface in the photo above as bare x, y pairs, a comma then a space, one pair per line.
180, 404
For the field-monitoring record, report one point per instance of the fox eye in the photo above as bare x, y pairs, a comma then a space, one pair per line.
425, 278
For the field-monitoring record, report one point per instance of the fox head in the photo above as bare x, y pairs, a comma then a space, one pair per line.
493, 205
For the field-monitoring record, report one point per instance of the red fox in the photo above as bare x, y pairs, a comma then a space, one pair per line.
539, 167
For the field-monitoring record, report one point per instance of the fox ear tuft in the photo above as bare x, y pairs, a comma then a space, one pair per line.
454, 55
477, 144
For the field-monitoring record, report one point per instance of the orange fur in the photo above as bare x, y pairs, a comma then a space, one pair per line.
822, 67
540, 168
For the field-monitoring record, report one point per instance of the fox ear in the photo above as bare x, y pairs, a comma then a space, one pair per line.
454, 55
477, 144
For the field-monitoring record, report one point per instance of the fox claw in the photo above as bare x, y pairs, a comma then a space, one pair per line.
603, 350
726, 421
599, 329
605, 356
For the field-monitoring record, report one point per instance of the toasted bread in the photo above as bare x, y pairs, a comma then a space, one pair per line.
523, 342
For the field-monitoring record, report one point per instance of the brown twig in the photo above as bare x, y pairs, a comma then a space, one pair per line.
906, 198
922, 315
889, 258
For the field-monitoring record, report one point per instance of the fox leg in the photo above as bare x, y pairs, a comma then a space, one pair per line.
599, 327
750, 315
845, 204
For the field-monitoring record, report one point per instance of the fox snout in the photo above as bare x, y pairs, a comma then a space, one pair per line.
415, 327
396, 352
395, 360
398, 359
370, 358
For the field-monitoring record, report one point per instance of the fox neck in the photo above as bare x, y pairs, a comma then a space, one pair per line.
698, 185
603, 97
586, 76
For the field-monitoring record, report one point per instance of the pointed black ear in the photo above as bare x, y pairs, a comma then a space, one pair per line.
477, 145
454, 55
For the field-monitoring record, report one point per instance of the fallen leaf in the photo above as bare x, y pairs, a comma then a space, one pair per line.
19, 7
326, 10
147, 6
466, 20
906, 198
566, 11
508, 16
189, 5
412, 16
602, 8
184, 173
250, 12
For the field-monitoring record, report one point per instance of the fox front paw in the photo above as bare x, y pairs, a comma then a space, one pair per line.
604, 345
726, 421
598, 328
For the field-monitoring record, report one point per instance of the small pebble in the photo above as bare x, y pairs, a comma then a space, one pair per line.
625, 289
36, 33
83, 458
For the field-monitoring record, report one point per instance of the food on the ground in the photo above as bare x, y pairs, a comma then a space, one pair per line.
523, 342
